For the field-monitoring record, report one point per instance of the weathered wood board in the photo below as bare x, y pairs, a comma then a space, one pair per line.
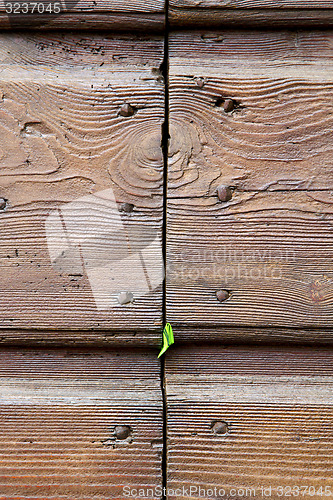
145, 6
79, 424
243, 419
230, 335
253, 4
216, 13
268, 243
84, 338
84, 14
81, 182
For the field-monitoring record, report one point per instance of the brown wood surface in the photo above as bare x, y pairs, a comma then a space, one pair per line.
91, 338
254, 335
145, 6
273, 408
270, 245
216, 13
90, 14
93, 21
253, 4
60, 412
64, 136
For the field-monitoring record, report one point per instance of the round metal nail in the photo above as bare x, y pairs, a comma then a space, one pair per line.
222, 295
224, 193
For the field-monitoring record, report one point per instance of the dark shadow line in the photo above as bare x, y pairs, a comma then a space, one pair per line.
165, 149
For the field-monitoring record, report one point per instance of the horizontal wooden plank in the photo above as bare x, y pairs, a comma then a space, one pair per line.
243, 419
81, 182
219, 14
256, 18
145, 6
79, 424
82, 21
252, 335
257, 126
186, 364
244, 53
83, 338
84, 14
253, 4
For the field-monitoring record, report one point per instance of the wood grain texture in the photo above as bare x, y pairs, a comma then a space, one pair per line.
243, 335
92, 21
81, 338
252, 4
59, 415
219, 14
270, 245
64, 138
90, 14
112, 6
274, 410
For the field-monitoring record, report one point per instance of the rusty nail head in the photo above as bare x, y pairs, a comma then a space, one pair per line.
224, 193
220, 427
126, 207
127, 110
222, 295
200, 82
122, 431
228, 105
3, 203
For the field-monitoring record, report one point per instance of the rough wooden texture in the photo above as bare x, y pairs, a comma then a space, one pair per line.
70, 135
253, 335
269, 246
59, 416
252, 4
274, 411
86, 21
112, 6
218, 14
97, 338
90, 14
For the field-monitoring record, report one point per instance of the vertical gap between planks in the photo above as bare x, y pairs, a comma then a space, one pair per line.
165, 148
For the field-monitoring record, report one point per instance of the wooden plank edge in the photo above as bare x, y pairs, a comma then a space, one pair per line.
248, 360
185, 335
57, 338
220, 18
154, 22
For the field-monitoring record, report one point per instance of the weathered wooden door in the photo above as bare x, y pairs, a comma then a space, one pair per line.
166, 163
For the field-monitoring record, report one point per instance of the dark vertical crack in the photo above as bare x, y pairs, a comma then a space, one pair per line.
165, 148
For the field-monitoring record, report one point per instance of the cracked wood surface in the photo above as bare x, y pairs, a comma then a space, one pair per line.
249, 418
91, 14
79, 424
218, 14
81, 119
270, 245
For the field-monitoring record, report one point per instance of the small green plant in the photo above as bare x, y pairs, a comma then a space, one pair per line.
167, 339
